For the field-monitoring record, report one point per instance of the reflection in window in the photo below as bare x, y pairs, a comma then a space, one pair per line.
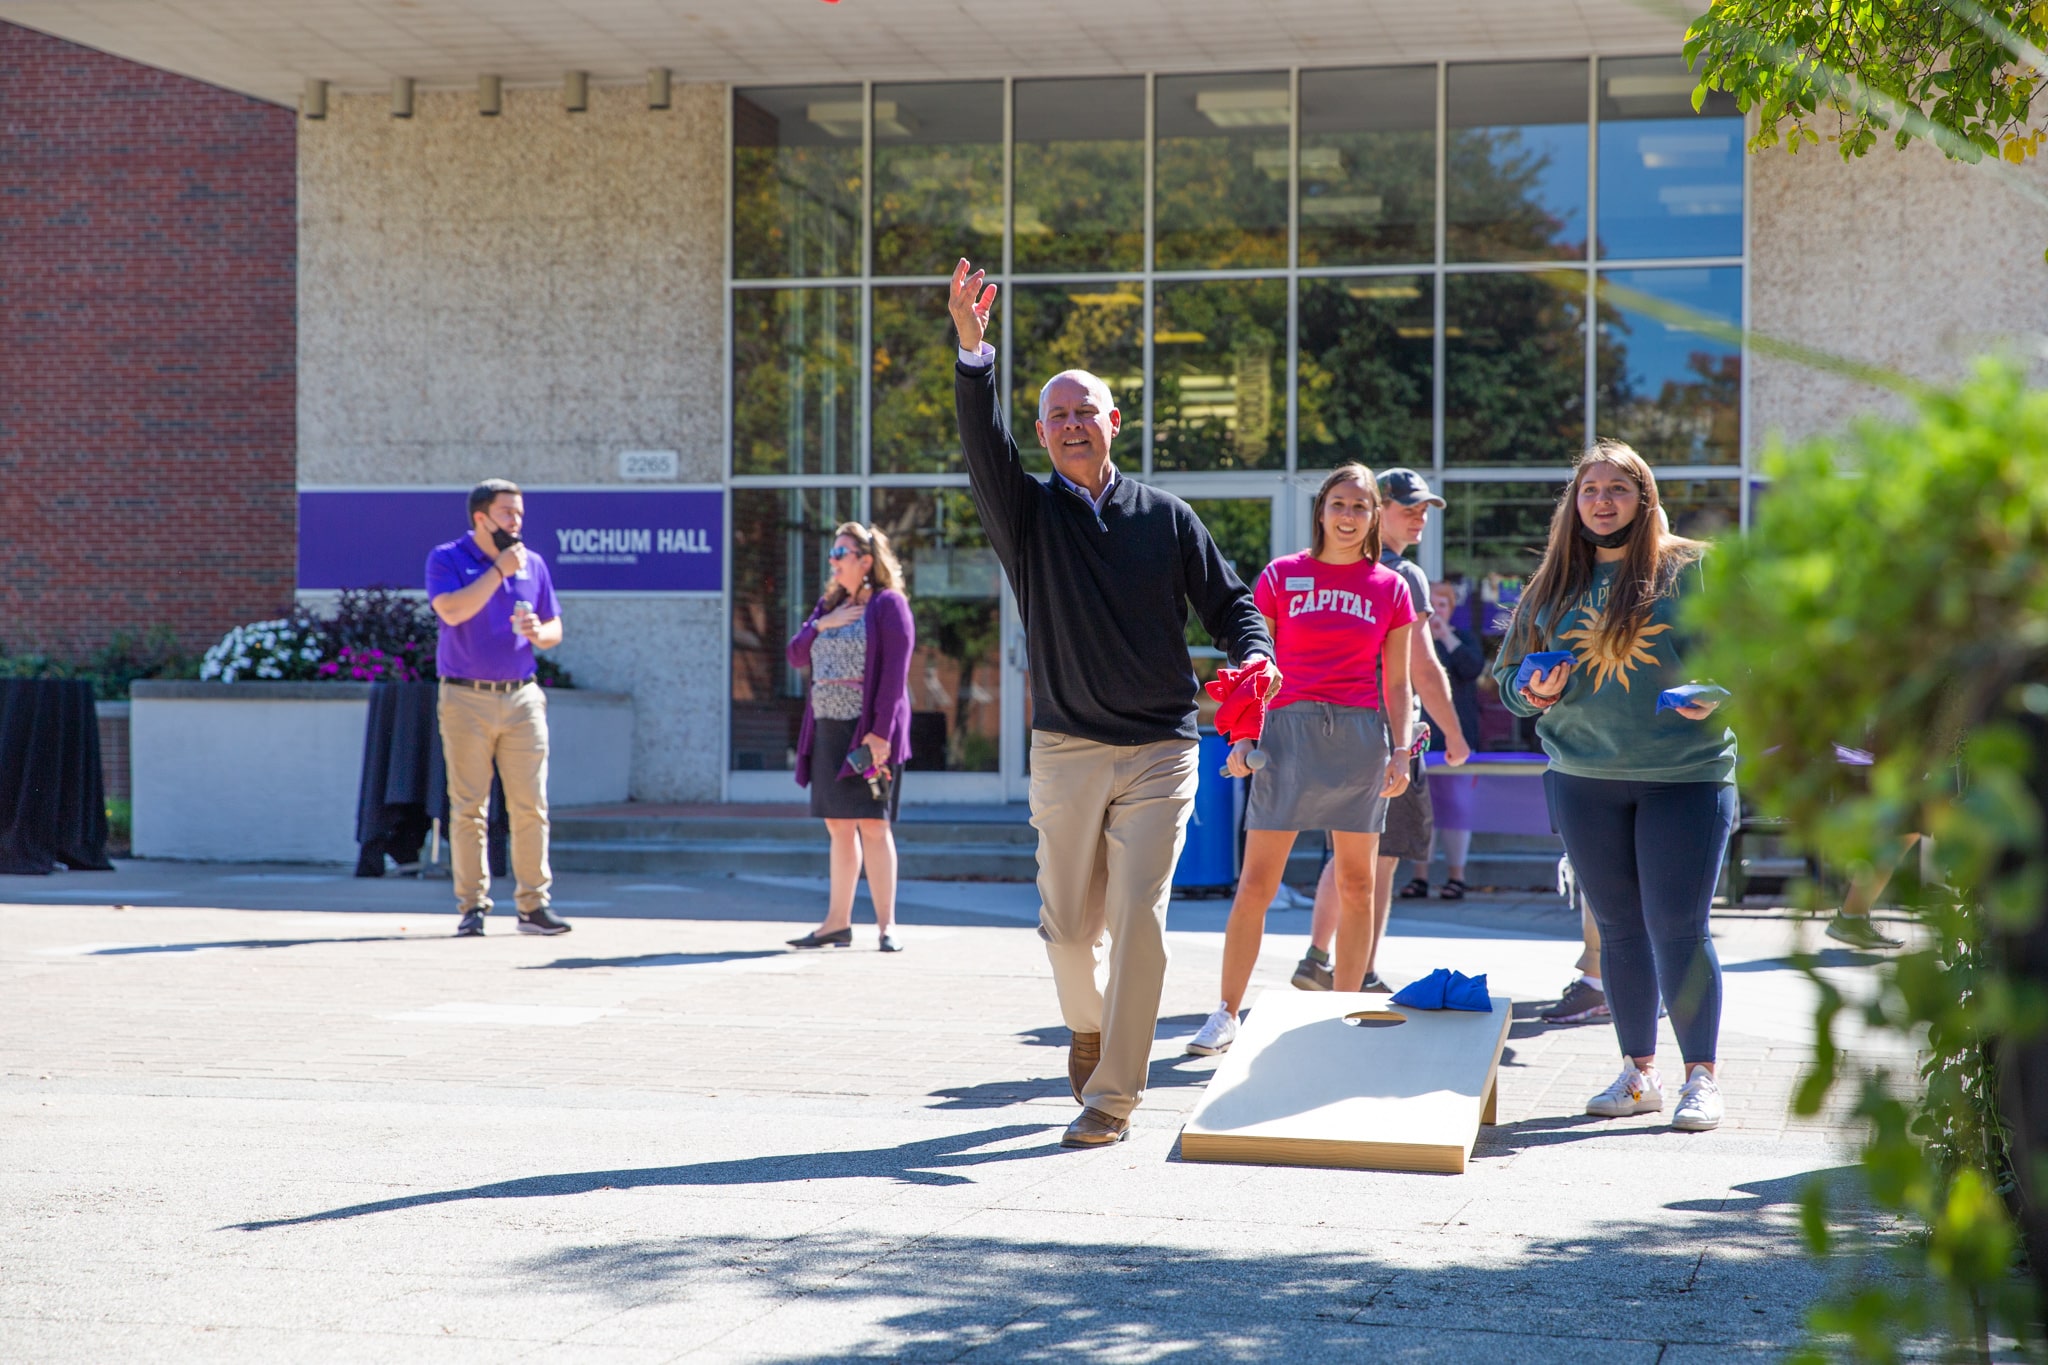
955, 587
1672, 393
915, 349
1098, 327
1514, 368
938, 176
1221, 171
779, 540
795, 382
1243, 530
1219, 350
1704, 509
796, 181
1494, 534
1079, 185
1364, 376
1516, 161
1670, 179
1368, 166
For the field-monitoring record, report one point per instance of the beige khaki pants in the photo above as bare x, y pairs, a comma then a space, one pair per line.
511, 729
1110, 819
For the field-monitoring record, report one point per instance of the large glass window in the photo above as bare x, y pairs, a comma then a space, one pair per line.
955, 588
1366, 353
1669, 390
1517, 161
1221, 171
1670, 179
915, 348
796, 181
1368, 166
1219, 352
938, 176
780, 537
1098, 327
1080, 175
795, 393
1514, 368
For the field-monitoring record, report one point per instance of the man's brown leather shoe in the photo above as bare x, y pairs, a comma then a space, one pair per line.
1096, 1129
1082, 1055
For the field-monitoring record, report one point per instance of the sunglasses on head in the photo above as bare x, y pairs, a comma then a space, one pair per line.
840, 552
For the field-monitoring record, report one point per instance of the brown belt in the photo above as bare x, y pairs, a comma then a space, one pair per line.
488, 685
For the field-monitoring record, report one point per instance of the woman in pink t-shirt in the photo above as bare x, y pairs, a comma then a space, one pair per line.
1340, 622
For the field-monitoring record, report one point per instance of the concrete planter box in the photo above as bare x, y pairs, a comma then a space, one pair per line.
267, 772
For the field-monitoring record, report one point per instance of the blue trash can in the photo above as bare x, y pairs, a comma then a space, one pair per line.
1208, 861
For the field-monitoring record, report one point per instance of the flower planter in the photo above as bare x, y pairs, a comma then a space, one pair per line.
268, 771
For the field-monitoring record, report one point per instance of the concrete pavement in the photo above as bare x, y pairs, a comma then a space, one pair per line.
274, 1113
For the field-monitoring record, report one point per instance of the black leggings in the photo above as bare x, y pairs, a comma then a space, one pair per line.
1647, 855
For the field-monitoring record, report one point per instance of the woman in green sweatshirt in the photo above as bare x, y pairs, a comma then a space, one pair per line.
1643, 797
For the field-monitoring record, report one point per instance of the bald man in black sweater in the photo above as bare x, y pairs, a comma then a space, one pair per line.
1104, 569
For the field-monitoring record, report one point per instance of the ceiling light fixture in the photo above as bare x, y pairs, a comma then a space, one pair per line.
1244, 108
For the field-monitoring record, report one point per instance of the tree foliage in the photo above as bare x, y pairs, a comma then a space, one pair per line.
1956, 72
1893, 595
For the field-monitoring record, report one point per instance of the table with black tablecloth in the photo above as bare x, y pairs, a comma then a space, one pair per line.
53, 806
404, 786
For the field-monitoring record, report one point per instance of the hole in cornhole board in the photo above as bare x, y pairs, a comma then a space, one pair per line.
1375, 1019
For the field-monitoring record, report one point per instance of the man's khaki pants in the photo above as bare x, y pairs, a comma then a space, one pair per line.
510, 728
1110, 819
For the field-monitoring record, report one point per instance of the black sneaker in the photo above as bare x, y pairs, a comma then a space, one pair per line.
1312, 975
1373, 984
472, 925
542, 921
1581, 1004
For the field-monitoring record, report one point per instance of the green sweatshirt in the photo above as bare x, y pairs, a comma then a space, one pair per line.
1607, 724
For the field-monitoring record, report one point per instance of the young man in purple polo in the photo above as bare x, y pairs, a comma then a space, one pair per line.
497, 606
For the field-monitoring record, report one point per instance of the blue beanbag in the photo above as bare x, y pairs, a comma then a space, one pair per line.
1542, 662
1671, 698
1444, 989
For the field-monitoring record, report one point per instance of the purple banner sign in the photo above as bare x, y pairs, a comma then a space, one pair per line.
636, 540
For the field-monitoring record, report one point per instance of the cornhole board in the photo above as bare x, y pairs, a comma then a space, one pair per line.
1304, 1085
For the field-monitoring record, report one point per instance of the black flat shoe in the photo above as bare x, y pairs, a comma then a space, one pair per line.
1417, 889
1454, 890
838, 938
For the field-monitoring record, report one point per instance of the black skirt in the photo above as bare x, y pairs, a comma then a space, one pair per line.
848, 798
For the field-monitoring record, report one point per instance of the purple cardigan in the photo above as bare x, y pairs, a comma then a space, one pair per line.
884, 691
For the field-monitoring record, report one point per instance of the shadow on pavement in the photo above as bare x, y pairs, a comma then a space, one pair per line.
1765, 1194
910, 1163
1826, 957
132, 949
1165, 1073
649, 960
1620, 1296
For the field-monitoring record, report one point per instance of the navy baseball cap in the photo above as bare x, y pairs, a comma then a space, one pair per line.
1406, 487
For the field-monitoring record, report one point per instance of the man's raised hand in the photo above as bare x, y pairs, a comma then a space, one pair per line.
973, 298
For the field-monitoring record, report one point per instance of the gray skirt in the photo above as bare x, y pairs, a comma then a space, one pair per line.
1325, 766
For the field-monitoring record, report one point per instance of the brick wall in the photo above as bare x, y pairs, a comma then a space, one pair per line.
148, 446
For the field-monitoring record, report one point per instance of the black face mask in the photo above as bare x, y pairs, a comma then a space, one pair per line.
503, 538
1613, 540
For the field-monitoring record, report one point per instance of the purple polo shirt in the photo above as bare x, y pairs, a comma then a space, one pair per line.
485, 646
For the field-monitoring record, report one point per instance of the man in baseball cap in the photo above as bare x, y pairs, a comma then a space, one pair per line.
1409, 823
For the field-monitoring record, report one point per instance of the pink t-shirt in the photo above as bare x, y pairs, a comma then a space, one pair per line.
1329, 621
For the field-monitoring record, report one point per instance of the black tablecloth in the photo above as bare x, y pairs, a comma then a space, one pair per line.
404, 786
53, 804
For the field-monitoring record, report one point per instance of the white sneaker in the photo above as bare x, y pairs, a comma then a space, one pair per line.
1699, 1104
1218, 1032
1633, 1092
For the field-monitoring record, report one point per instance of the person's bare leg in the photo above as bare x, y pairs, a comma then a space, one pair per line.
845, 866
1865, 887
1457, 849
1322, 921
1354, 872
878, 851
1265, 861
1382, 907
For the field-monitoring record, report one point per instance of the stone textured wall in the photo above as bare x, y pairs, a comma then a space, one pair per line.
526, 295
146, 370
1903, 259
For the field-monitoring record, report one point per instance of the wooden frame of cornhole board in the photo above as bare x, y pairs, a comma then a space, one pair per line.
1304, 1085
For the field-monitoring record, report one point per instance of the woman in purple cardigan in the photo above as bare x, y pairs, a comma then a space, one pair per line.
856, 733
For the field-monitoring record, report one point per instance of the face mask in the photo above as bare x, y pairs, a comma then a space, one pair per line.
1613, 540
503, 538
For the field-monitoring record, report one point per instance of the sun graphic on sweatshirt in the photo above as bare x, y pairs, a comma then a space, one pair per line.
1606, 662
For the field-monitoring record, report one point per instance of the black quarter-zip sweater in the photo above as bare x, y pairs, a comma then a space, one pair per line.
1104, 599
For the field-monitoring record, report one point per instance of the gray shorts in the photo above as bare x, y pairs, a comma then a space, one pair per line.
1324, 769
1410, 822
